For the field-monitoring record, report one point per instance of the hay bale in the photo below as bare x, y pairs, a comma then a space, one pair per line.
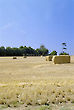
14, 57
49, 58
61, 59
41, 56
24, 56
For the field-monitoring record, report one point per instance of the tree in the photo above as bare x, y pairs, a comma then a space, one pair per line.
2, 51
23, 50
64, 47
21, 47
64, 53
9, 51
38, 51
42, 50
53, 53
42, 47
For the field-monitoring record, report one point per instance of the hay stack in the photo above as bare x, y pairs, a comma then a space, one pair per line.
49, 58
61, 59
14, 57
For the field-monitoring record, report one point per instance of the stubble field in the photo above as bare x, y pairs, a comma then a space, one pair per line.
32, 81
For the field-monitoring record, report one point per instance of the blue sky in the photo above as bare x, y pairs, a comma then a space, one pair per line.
36, 22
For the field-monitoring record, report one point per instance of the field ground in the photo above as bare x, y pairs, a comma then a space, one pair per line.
35, 82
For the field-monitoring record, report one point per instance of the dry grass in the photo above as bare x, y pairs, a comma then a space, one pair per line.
34, 81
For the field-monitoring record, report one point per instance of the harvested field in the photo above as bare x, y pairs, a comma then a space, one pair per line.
34, 81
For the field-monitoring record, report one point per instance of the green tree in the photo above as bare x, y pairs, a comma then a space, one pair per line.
2, 51
42, 47
53, 53
21, 47
64, 53
38, 51
42, 50
23, 50
9, 51
64, 47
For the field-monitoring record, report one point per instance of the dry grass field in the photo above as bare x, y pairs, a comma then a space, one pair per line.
34, 81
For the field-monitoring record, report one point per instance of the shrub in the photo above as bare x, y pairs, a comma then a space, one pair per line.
64, 53
53, 53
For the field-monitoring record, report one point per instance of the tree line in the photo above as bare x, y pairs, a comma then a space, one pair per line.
23, 50
29, 51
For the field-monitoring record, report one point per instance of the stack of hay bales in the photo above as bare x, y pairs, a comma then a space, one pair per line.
49, 58
61, 59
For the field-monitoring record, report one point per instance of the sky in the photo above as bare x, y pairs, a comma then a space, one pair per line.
37, 22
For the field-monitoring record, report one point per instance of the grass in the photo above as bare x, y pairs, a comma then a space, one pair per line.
65, 108
3, 107
35, 94
45, 108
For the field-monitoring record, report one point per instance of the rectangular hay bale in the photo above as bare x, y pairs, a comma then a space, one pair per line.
61, 59
49, 58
